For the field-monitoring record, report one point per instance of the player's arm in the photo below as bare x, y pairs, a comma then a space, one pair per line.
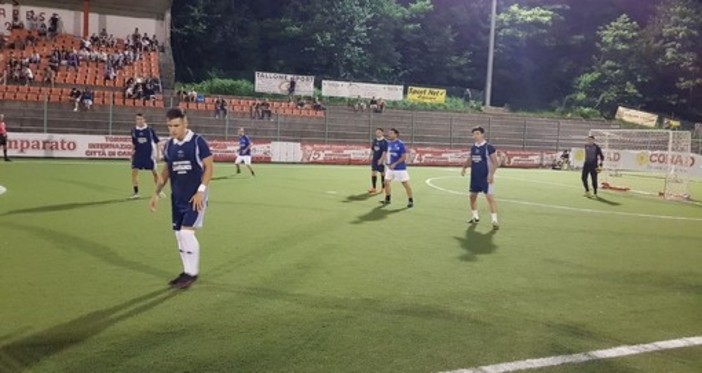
165, 176
198, 200
600, 155
465, 166
492, 167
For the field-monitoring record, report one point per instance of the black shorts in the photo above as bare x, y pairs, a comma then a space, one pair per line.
3, 140
377, 167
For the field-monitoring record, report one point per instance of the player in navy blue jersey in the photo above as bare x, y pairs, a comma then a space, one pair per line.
483, 163
244, 155
395, 158
189, 169
145, 153
378, 147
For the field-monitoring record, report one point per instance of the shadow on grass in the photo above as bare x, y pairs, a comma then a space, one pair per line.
65, 207
379, 213
20, 355
97, 250
606, 201
358, 197
102, 188
476, 243
359, 305
228, 177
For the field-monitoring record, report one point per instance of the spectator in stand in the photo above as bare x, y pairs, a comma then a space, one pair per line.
149, 93
30, 40
220, 107
54, 62
16, 23
87, 99
43, 32
381, 106
111, 41
27, 75
54, 23
256, 110
109, 73
49, 76
3, 77
155, 43
73, 60
292, 86
300, 103
32, 21
266, 110
35, 58
182, 95
317, 105
75, 96
373, 104
192, 95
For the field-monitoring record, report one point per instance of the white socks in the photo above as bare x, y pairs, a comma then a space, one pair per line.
189, 249
475, 214
494, 218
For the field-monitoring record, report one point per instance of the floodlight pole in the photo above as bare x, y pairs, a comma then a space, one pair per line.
491, 55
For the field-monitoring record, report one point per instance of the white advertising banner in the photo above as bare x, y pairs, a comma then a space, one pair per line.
279, 84
645, 161
637, 117
332, 88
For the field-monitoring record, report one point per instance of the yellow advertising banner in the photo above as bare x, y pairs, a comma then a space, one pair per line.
429, 95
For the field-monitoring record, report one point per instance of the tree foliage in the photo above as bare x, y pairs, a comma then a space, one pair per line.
599, 53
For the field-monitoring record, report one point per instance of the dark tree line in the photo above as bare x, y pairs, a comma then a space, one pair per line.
551, 54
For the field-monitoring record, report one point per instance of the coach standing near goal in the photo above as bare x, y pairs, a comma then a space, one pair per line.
3, 137
593, 154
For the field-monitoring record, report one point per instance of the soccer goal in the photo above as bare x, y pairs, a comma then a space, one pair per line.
654, 162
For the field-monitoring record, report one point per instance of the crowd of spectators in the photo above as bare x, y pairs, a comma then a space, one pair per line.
376, 105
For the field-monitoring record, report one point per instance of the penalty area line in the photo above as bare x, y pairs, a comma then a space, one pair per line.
430, 183
626, 350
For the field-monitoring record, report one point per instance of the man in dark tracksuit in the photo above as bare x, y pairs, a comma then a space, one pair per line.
593, 153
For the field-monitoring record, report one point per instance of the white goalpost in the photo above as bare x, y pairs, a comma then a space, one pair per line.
654, 162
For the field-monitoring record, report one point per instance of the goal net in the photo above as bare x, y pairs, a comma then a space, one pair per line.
654, 162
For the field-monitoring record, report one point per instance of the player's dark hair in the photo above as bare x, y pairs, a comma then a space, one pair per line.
175, 113
478, 129
591, 137
380, 129
395, 131
139, 114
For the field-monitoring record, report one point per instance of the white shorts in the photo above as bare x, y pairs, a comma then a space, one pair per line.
245, 159
399, 175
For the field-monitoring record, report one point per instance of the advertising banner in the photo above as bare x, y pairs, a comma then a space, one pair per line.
637, 117
332, 88
645, 161
427, 95
279, 84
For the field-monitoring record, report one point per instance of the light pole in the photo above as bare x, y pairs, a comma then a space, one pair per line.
491, 55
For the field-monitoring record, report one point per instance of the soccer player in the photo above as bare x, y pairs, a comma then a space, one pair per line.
483, 163
244, 155
378, 148
145, 152
396, 156
189, 169
593, 153
3, 137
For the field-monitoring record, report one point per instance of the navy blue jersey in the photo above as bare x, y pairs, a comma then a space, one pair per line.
244, 142
145, 143
185, 166
378, 147
396, 149
480, 160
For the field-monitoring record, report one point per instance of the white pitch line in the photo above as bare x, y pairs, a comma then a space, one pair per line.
430, 183
609, 353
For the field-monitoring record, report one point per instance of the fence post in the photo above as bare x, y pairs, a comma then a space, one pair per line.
524, 135
226, 126
110, 119
46, 113
450, 132
489, 125
412, 129
326, 127
277, 125
370, 125
558, 136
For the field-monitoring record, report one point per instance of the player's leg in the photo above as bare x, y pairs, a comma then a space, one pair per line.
490, 196
583, 177
474, 218
374, 180
177, 218
408, 190
386, 186
190, 246
135, 182
247, 161
593, 177
237, 162
4, 152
